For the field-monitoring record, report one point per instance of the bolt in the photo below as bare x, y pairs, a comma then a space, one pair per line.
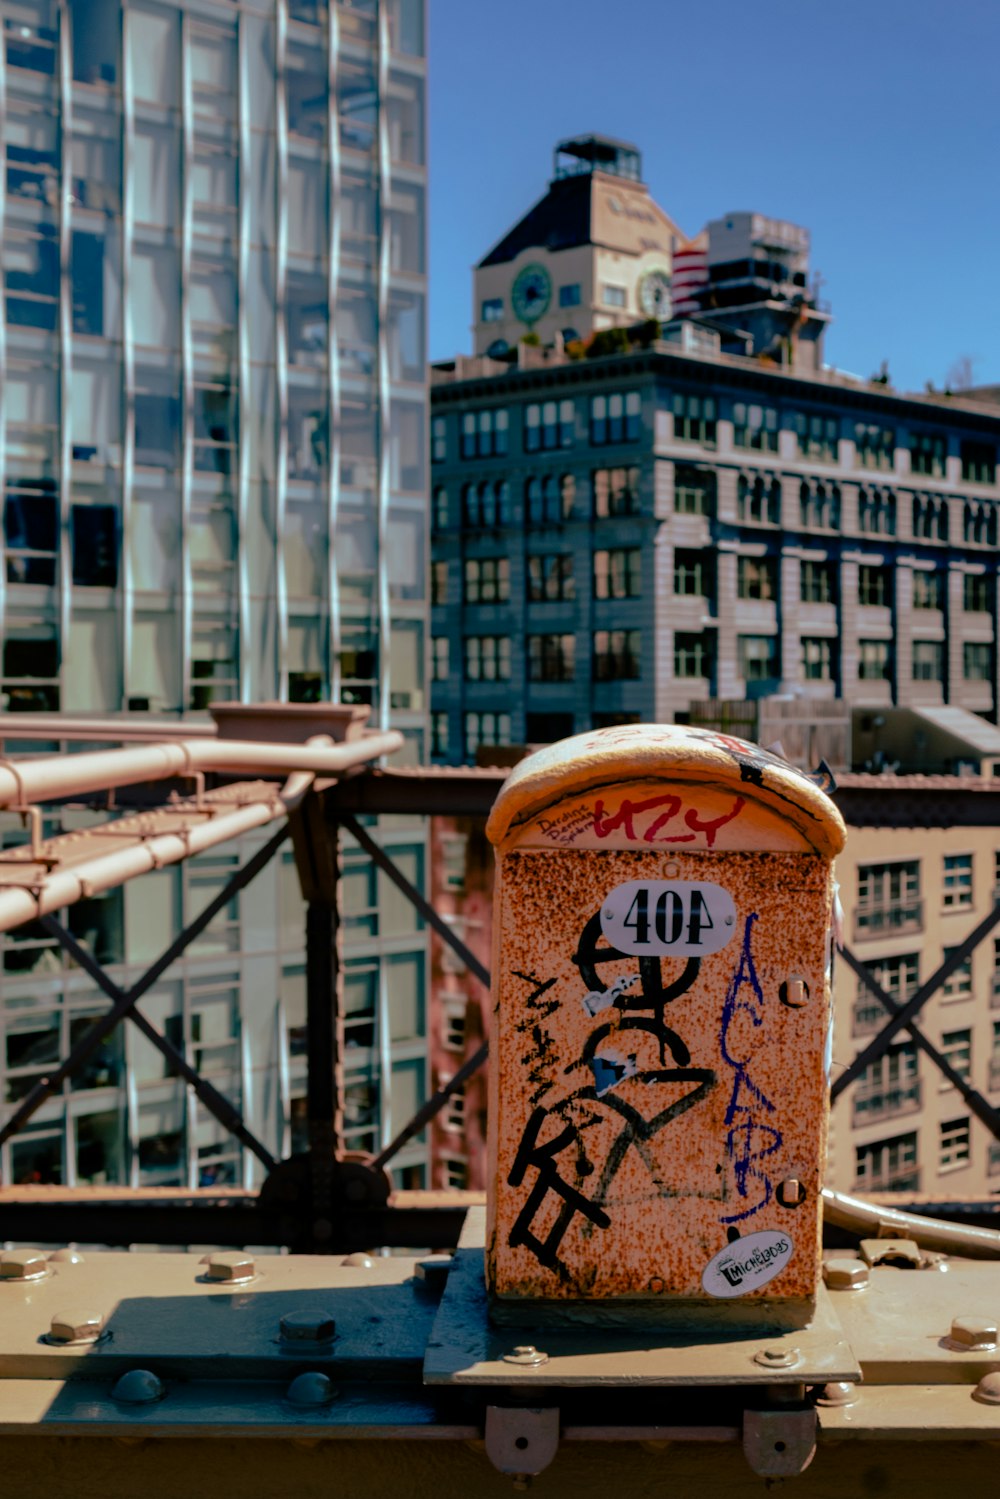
358, 1261
308, 1327
76, 1327
23, 1264
311, 1389
139, 1387
987, 1391
232, 1265
777, 1358
434, 1271
794, 992
845, 1275
973, 1333
66, 1257
840, 1393
791, 1192
527, 1355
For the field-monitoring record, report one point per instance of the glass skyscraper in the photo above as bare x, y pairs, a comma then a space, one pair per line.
214, 476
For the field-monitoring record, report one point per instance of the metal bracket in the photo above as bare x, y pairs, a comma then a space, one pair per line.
779, 1443
521, 1440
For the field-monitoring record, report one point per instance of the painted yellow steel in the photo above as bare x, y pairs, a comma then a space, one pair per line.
661, 1013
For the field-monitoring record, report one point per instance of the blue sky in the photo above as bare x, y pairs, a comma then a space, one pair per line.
876, 125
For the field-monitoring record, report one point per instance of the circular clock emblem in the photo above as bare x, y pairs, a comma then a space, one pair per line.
531, 293
654, 294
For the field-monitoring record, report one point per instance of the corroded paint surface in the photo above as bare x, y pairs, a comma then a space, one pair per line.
648, 1104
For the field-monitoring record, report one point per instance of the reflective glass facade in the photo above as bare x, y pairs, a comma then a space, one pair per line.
212, 450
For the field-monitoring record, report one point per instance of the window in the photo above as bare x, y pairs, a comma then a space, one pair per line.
888, 899
613, 296
819, 504
757, 656
927, 454
977, 661
439, 582
439, 658
953, 1146
979, 523
616, 655
874, 446
817, 436
487, 580
492, 310
485, 728
930, 518
615, 418
975, 593
876, 511
874, 586
618, 574
551, 658
957, 1049
928, 590
487, 658
957, 881
755, 578
31, 531
486, 505
30, 672
95, 546
439, 735
959, 985
874, 660
898, 976
615, 491
817, 660
928, 661
570, 295
890, 1085
439, 439
758, 499
439, 509
453, 1022
549, 500
755, 427
549, 425
979, 462
484, 434
694, 574
818, 583
550, 578
694, 419
887, 1165
693, 655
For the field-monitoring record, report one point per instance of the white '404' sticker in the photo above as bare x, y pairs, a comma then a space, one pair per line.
684, 917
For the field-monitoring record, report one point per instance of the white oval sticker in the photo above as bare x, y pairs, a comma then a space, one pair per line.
747, 1263
685, 917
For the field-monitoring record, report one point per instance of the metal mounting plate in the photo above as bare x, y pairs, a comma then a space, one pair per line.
466, 1349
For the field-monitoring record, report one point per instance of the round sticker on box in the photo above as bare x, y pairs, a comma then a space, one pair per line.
747, 1263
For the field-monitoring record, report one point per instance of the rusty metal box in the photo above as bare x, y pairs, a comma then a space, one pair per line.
661, 1017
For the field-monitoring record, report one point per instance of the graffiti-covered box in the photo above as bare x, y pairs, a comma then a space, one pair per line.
661, 1023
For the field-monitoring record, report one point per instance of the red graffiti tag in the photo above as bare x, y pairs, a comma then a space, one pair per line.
607, 823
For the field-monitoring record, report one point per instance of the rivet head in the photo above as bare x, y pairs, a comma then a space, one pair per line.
312, 1389
139, 1387
434, 1271
973, 1333
67, 1257
232, 1265
526, 1355
791, 1193
845, 1275
987, 1391
777, 1358
838, 1393
24, 1264
794, 992
76, 1326
308, 1327
358, 1261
